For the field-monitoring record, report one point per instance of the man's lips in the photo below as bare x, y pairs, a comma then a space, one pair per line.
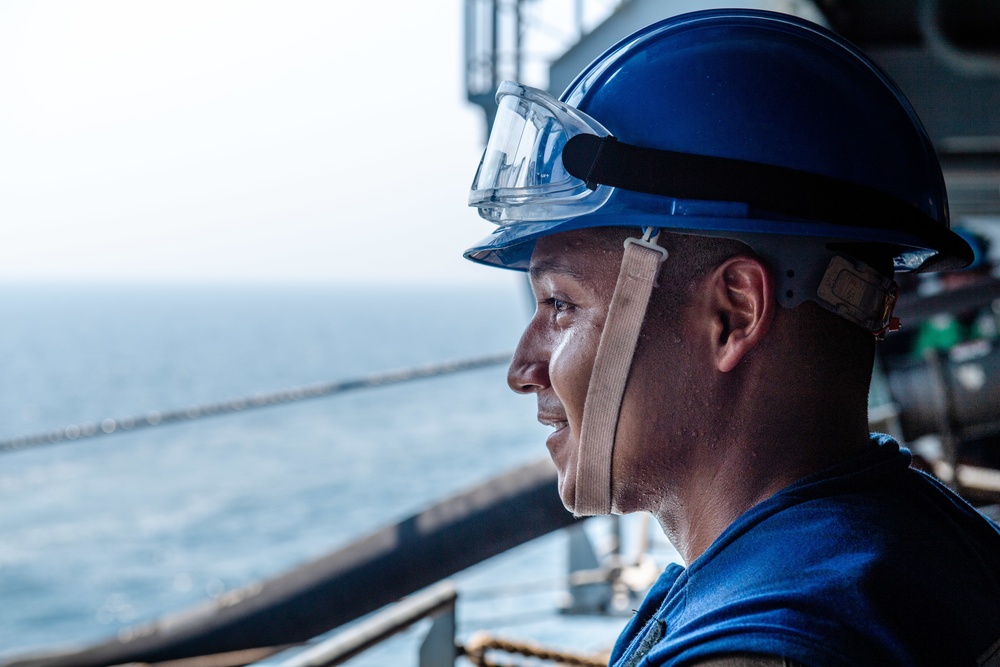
551, 412
558, 422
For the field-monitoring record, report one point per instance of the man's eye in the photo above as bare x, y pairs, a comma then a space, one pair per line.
558, 305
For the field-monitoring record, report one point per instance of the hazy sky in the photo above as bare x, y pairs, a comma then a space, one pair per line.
236, 141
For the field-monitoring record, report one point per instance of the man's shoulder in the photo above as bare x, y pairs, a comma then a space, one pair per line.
880, 510
888, 571
746, 660
862, 548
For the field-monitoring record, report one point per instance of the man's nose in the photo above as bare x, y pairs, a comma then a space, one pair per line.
529, 369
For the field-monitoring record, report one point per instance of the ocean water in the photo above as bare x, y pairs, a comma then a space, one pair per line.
100, 534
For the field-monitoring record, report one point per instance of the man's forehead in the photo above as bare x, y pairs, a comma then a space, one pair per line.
555, 265
580, 254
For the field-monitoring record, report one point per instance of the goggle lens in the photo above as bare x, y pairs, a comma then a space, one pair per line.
521, 176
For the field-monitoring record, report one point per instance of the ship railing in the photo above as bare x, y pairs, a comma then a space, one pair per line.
438, 648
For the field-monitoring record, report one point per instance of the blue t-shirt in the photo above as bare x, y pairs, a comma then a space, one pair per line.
867, 563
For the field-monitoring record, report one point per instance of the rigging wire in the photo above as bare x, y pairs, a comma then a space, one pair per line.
244, 403
536, 587
525, 617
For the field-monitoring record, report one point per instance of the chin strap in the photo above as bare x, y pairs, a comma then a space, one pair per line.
640, 266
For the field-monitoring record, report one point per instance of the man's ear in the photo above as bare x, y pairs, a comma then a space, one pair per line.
742, 300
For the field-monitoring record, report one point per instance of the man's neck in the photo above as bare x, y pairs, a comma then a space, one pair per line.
741, 474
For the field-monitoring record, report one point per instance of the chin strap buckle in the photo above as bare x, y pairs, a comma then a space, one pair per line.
650, 236
859, 294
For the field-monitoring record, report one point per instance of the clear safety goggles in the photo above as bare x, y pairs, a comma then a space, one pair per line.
521, 176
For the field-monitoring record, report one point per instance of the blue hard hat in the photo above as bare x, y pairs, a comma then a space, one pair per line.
980, 245
744, 124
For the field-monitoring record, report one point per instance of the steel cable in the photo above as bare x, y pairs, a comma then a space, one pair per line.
243, 403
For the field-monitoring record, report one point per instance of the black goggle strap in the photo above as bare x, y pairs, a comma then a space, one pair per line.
778, 190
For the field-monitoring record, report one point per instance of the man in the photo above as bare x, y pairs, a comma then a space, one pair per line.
711, 217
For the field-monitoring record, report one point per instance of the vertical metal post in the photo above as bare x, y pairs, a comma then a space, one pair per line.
438, 648
937, 362
494, 43
518, 26
616, 536
585, 597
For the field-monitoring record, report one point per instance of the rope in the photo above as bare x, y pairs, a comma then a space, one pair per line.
244, 403
476, 648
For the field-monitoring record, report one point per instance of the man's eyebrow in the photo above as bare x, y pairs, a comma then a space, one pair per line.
553, 266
